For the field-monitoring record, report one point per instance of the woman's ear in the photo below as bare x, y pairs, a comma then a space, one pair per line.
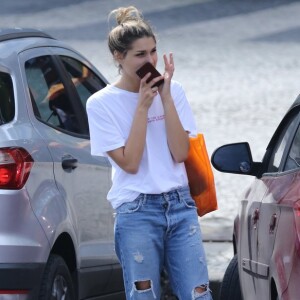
118, 56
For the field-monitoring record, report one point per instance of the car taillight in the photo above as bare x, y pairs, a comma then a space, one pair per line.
15, 166
14, 294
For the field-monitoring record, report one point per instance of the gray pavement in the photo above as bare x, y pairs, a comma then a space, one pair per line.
238, 61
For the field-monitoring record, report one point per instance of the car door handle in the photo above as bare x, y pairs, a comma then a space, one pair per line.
255, 218
273, 223
69, 162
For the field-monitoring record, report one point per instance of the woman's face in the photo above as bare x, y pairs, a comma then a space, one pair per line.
142, 50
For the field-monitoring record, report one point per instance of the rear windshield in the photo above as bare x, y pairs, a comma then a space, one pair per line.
7, 103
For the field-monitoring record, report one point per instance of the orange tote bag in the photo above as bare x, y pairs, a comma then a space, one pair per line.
200, 176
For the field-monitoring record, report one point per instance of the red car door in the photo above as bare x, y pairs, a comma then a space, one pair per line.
248, 237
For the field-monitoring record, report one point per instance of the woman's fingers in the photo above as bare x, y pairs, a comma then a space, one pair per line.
171, 59
155, 80
147, 89
145, 79
169, 65
168, 61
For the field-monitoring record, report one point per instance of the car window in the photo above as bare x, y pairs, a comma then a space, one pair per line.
7, 102
49, 97
293, 158
278, 151
85, 81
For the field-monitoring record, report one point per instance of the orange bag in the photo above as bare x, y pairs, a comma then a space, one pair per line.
200, 176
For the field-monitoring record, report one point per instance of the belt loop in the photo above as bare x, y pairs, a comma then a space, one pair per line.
166, 196
179, 194
144, 198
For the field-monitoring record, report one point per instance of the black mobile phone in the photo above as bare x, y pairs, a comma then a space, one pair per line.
145, 69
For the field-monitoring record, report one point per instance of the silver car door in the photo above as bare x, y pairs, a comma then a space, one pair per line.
82, 179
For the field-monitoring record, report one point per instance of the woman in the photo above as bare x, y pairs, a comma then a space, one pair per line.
144, 130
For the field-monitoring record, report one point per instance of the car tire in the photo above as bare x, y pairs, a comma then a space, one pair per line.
57, 281
230, 288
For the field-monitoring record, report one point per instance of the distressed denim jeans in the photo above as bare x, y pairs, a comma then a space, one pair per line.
158, 231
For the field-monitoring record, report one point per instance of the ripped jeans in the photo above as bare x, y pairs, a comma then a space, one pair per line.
157, 231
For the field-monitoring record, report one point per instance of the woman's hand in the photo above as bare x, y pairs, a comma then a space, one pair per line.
164, 89
147, 92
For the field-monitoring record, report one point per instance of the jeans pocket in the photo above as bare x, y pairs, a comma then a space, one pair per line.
189, 202
130, 207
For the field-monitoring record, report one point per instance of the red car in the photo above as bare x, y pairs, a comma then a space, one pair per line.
266, 237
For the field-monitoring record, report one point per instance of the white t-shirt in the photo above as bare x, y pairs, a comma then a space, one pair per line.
110, 113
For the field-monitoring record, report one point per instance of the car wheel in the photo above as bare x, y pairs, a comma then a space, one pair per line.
230, 288
57, 281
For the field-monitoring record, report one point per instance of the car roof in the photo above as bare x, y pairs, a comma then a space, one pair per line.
16, 33
16, 40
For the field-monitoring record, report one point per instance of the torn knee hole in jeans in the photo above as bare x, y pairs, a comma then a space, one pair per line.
201, 289
143, 285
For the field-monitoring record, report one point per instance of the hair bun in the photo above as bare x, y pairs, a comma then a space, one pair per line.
125, 14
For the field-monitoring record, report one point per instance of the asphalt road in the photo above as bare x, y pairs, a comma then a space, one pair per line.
238, 61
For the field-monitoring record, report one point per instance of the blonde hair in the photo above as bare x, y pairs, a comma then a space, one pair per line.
130, 27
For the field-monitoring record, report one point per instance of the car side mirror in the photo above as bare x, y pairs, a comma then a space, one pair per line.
235, 158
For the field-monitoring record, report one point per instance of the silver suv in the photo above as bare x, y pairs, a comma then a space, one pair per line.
56, 226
